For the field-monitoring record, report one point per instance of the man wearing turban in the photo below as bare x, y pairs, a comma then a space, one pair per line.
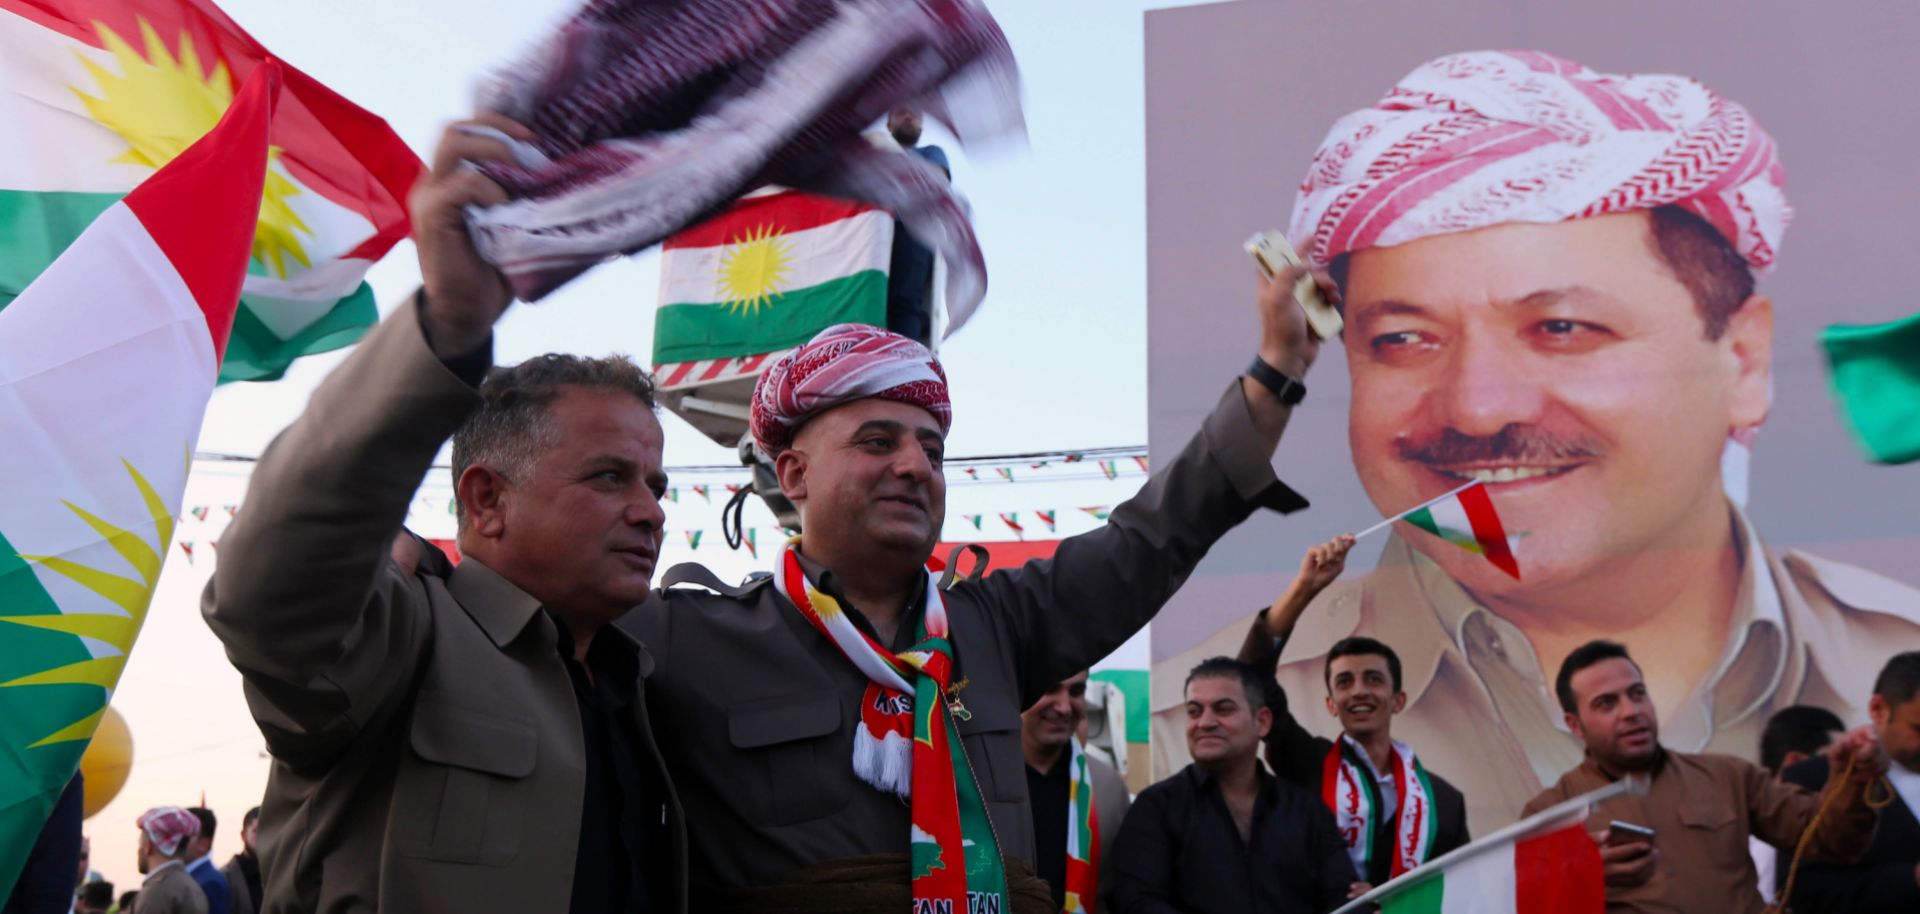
1549, 283
165, 832
846, 732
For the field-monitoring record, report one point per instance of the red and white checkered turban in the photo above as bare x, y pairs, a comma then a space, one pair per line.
1489, 137
168, 826
843, 363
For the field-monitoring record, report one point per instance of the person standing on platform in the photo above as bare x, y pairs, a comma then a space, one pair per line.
1393, 813
910, 274
852, 665
1223, 836
1699, 809
1078, 801
1887, 877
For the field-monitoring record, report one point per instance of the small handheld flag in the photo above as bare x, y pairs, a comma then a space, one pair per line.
1546, 862
1465, 518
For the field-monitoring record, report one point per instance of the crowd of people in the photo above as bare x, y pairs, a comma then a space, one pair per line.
175, 859
549, 726
1324, 822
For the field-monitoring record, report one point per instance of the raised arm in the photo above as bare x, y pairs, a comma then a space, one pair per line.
1294, 754
1101, 587
320, 621
1781, 812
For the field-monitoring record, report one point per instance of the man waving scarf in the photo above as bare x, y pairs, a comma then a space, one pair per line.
907, 742
847, 731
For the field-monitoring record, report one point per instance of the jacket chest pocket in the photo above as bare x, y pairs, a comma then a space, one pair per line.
992, 738
461, 795
795, 767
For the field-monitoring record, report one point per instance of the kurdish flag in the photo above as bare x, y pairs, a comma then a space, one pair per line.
1547, 863
1465, 518
769, 273
107, 361
97, 94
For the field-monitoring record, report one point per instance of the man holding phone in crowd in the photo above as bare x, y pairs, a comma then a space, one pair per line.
1681, 844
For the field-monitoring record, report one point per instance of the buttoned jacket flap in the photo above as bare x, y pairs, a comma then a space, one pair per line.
758, 724
466, 737
1711, 811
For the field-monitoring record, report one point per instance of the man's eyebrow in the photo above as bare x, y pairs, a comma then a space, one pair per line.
1546, 298
1387, 307
889, 426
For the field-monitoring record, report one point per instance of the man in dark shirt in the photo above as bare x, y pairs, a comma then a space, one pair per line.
1057, 765
1887, 877
1224, 835
1364, 691
910, 274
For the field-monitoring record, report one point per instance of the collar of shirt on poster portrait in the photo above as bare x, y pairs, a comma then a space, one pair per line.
1751, 669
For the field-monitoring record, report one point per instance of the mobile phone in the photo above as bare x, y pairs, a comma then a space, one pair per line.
1619, 833
1272, 252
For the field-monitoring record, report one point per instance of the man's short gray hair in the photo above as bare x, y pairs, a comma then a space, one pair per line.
514, 425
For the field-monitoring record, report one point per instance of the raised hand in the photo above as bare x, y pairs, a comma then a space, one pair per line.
465, 295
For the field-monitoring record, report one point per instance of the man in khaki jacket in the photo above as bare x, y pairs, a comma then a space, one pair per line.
471, 738
1564, 306
770, 723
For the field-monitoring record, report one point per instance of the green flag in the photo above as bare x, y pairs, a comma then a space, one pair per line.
1875, 372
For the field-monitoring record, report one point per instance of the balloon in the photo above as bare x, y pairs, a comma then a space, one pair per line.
107, 762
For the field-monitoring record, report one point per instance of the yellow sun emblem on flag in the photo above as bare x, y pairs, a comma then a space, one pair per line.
161, 103
753, 271
110, 628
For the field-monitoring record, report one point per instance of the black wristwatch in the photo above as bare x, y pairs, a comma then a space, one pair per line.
1287, 389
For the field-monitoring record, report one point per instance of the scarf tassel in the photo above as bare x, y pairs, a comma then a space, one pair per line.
885, 762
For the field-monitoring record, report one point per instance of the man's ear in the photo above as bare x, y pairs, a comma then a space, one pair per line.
790, 467
1748, 342
1878, 711
483, 494
1262, 720
1331, 708
1399, 702
1573, 724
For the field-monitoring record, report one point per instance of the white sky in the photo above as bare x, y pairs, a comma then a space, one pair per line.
1055, 358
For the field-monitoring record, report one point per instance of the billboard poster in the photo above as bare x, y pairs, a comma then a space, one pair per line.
1585, 251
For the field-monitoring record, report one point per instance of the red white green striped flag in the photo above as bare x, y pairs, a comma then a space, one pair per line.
1545, 863
769, 273
97, 94
1465, 518
107, 361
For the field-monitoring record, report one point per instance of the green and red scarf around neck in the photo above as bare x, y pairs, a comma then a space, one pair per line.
1350, 786
907, 744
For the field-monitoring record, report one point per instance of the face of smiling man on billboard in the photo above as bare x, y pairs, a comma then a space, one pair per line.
1550, 285
1568, 368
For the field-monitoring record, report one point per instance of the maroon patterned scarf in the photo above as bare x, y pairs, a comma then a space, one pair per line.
654, 114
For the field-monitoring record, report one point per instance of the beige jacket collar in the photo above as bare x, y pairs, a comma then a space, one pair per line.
1753, 667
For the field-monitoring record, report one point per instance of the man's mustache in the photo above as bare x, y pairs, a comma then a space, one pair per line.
1516, 443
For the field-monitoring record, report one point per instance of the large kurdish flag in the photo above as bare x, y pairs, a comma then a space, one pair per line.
107, 361
768, 273
1466, 519
97, 94
1544, 865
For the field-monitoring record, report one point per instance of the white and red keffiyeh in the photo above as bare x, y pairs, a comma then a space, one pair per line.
168, 827
1483, 138
843, 363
